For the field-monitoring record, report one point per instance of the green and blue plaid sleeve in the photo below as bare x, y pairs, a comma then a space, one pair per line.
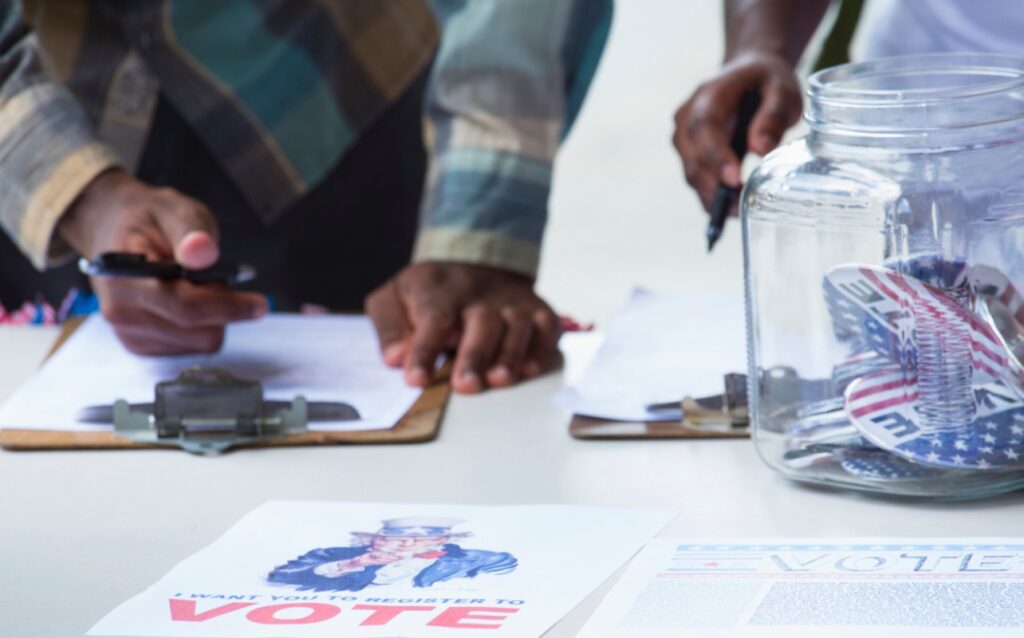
508, 80
48, 153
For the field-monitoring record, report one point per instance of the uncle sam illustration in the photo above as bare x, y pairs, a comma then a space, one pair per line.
405, 552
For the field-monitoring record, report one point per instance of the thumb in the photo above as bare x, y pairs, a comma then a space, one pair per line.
191, 232
780, 109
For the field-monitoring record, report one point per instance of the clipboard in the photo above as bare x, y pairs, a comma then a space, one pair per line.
420, 424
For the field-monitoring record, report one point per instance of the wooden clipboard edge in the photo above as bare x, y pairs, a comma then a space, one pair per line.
421, 424
588, 428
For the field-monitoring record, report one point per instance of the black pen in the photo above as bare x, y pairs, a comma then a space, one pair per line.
135, 265
726, 195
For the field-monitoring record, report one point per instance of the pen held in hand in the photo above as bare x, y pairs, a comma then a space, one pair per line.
134, 265
726, 195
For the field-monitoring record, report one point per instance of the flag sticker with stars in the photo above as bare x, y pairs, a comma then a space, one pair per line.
884, 467
883, 409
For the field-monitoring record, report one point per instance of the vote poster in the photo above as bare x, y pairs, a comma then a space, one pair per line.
812, 588
358, 569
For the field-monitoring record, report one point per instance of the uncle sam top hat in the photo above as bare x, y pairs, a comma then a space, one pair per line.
418, 526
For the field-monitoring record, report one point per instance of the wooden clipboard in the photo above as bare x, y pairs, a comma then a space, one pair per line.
590, 428
419, 425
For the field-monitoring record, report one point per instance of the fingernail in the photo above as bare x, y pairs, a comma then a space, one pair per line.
500, 375
197, 250
258, 310
417, 376
393, 354
471, 381
731, 174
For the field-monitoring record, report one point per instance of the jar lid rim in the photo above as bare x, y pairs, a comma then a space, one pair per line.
1006, 71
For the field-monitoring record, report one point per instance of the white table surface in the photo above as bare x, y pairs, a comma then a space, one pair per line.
80, 532
83, 531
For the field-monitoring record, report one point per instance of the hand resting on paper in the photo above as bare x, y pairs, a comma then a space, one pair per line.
501, 330
117, 212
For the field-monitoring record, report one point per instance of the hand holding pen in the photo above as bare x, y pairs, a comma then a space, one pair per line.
726, 196
165, 312
707, 122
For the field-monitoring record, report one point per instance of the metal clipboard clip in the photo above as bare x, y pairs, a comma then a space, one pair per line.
726, 412
729, 412
208, 410
722, 412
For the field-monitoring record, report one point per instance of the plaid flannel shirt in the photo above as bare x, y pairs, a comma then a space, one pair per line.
279, 89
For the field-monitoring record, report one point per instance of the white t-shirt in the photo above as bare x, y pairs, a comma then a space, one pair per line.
902, 27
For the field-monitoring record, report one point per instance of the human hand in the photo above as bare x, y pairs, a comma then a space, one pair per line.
359, 563
117, 212
705, 122
501, 330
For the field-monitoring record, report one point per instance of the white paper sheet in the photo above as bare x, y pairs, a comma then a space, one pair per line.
807, 588
324, 358
284, 571
658, 349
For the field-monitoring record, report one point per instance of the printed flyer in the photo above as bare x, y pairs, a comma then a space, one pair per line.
810, 588
307, 569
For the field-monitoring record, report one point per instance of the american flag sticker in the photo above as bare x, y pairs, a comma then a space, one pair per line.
883, 467
883, 407
888, 311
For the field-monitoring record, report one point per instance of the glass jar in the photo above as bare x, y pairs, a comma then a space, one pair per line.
884, 265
